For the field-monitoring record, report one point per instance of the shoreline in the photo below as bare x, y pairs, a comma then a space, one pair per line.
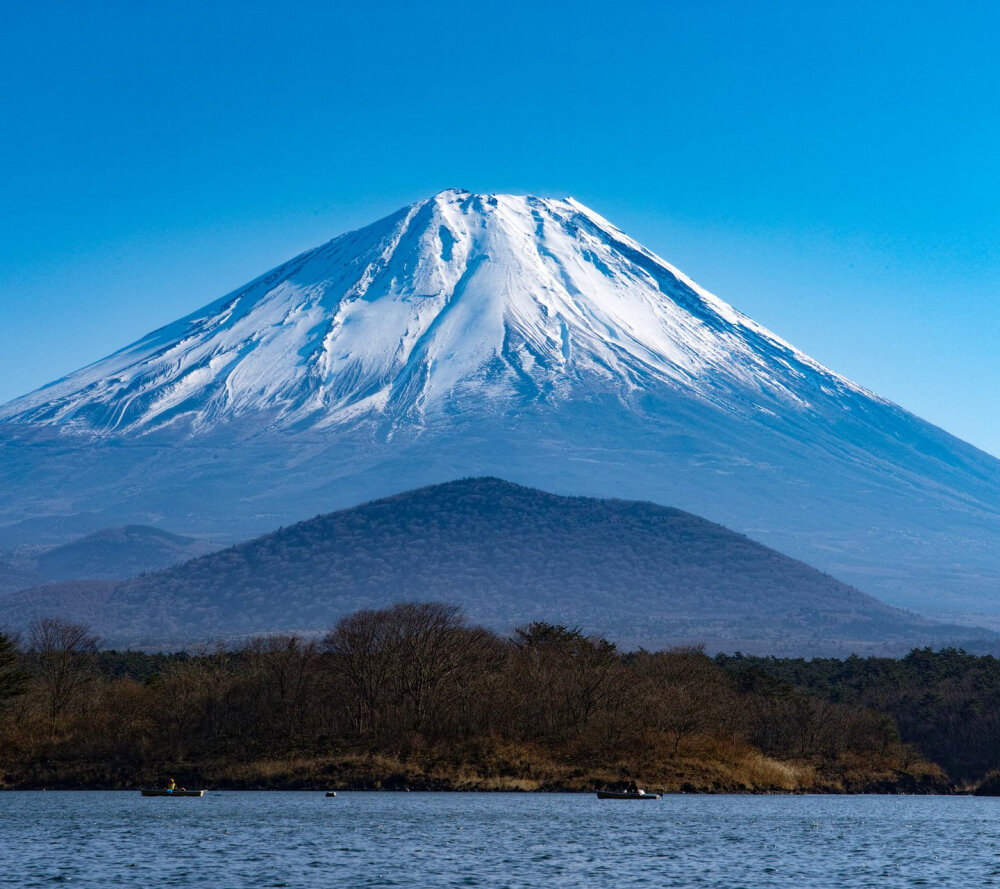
499, 791
347, 777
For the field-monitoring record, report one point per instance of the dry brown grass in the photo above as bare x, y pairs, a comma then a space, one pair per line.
704, 765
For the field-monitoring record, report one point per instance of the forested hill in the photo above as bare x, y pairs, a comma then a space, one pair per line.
119, 553
641, 574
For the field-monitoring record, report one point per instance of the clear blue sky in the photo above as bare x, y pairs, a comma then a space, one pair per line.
831, 169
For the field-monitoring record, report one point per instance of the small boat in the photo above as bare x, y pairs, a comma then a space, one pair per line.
612, 794
157, 791
331, 793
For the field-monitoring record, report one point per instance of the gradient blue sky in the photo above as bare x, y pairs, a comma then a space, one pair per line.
830, 169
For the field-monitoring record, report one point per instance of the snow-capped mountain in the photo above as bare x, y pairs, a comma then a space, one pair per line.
513, 336
461, 300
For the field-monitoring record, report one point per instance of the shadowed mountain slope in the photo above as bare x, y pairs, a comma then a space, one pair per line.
639, 573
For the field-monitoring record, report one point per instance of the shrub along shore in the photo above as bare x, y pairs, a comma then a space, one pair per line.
414, 697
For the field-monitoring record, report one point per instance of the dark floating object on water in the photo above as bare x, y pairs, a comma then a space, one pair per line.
154, 791
331, 793
611, 794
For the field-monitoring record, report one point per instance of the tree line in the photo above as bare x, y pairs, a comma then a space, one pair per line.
946, 704
416, 690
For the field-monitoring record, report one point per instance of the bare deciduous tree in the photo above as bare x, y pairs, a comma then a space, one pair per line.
567, 677
405, 662
64, 655
284, 669
685, 692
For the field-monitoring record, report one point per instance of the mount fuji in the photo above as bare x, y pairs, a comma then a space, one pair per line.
513, 336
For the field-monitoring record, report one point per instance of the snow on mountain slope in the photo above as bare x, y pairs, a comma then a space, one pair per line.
512, 336
458, 299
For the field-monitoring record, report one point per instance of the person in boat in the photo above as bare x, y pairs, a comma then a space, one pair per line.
170, 784
634, 788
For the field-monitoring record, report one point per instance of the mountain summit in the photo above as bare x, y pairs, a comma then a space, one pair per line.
463, 300
513, 336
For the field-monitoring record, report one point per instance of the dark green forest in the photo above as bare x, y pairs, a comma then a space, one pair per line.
946, 704
416, 696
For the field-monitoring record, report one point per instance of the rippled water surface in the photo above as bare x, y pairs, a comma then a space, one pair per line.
230, 839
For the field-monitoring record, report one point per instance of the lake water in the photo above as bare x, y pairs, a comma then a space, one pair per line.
231, 839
